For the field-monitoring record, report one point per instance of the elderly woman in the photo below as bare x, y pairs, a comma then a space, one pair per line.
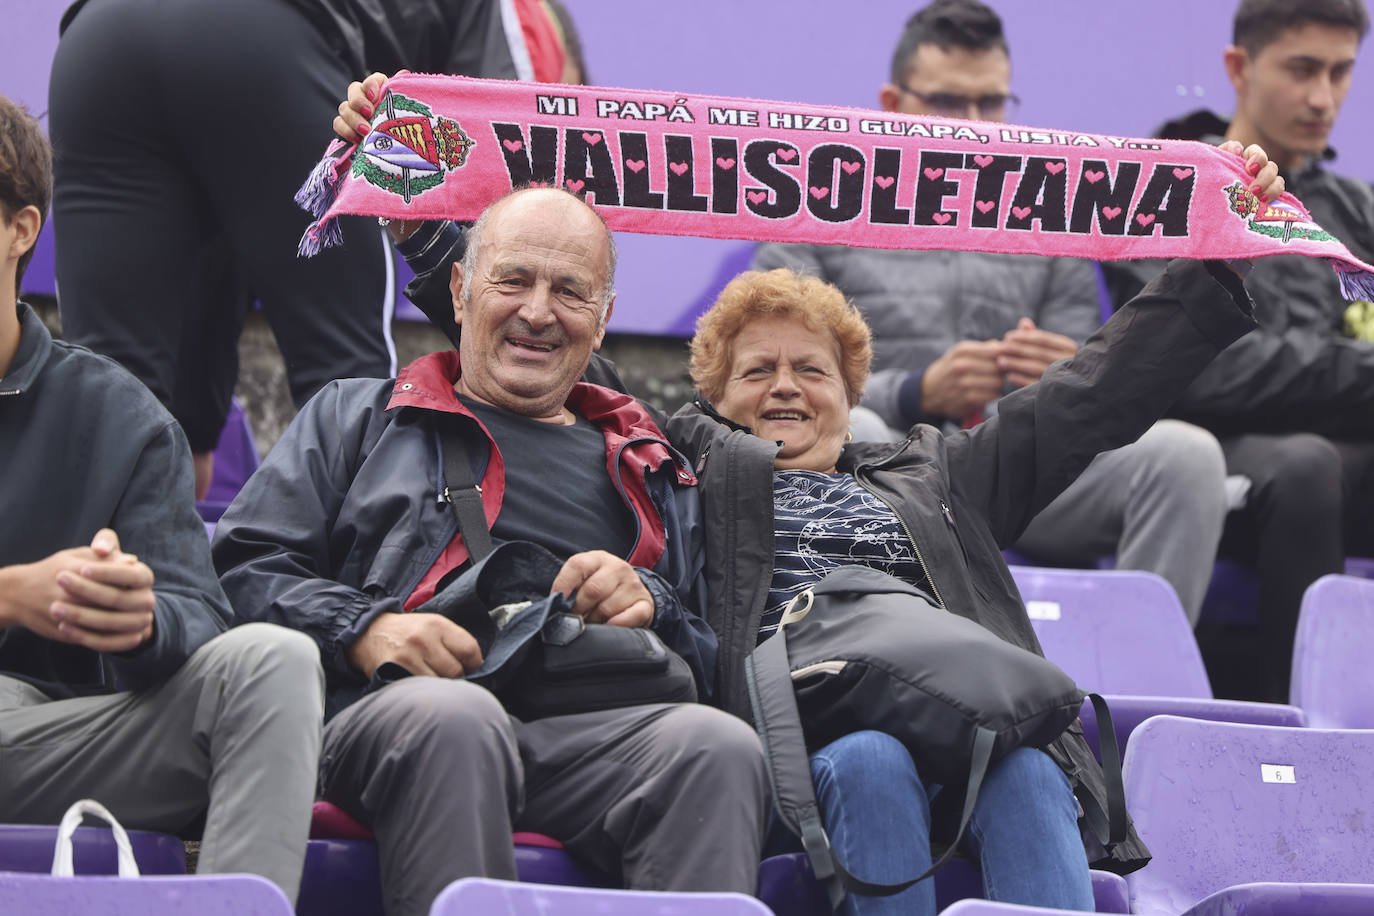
779, 360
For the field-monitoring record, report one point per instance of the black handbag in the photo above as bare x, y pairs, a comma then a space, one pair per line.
540, 658
864, 650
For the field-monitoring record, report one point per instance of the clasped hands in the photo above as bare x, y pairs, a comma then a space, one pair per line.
973, 372
98, 596
608, 590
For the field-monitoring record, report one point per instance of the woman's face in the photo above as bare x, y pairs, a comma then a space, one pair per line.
785, 384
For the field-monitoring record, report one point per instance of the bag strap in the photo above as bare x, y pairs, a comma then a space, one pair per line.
1108, 826
778, 722
463, 494
62, 855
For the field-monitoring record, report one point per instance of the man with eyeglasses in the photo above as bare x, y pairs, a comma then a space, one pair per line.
954, 330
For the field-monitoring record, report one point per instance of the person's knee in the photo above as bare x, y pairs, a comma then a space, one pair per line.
448, 716
275, 646
1301, 475
1299, 460
874, 753
270, 658
865, 764
700, 736
1187, 456
1029, 773
445, 747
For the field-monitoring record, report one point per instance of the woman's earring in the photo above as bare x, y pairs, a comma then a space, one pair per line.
849, 435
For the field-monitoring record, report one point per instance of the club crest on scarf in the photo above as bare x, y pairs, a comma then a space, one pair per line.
1277, 219
409, 149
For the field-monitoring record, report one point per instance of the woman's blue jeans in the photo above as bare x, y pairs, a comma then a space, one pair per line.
1023, 833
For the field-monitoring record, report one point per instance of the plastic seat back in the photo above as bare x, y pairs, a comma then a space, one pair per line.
989, 908
208, 895
512, 898
1333, 679
29, 848
1223, 804
236, 458
788, 886
1120, 632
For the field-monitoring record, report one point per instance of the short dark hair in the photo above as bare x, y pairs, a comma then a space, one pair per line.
25, 167
1259, 23
966, 24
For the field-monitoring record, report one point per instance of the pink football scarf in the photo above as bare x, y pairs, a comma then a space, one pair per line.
443, 147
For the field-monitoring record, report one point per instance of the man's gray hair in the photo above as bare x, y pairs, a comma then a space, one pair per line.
477, 230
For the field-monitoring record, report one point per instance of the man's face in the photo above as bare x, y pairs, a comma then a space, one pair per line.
953, 83
531, 314
1288, 94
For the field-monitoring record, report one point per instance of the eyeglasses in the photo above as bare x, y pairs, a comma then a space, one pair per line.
993, 107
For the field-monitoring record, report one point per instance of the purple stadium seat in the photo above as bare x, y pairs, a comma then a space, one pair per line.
29, 848
1125, 635
988, 908
1110, 892
1360, 567
342, 876
1128, 712
207, 895
541, 860
1112, 631
1231, 595
512, 898
1223, 805
236, 458
1233, 591
788, 887
1270, 899
1333, 680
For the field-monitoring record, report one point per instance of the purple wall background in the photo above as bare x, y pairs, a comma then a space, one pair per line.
1078, 64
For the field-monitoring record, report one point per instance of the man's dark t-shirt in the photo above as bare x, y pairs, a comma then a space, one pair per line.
558, 492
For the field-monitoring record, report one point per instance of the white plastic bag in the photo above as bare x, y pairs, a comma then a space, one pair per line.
62, 857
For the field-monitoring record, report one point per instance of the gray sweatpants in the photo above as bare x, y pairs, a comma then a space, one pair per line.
236, 731
1159, 504
670, 796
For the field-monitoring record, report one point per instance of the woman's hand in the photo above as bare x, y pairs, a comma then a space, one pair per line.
353, 123
356, 111
1267, 185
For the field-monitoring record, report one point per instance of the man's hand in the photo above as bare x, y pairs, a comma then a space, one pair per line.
963, 379
1028, 351
608, 590
426, 644
98, 596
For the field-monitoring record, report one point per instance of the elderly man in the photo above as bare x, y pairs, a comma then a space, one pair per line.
955, 330
339, 533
